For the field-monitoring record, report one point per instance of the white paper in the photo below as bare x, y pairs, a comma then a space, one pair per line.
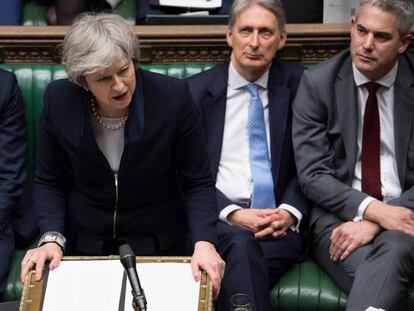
338, 11
167, 286
89, 285
202, 4
195, 13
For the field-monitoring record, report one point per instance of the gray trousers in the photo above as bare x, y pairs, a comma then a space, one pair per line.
377, 274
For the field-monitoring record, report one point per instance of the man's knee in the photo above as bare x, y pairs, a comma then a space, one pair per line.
241, 244
396, 242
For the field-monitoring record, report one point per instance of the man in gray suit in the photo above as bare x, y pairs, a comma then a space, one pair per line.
353, 137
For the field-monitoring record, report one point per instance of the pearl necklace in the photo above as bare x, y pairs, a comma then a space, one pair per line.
100, 120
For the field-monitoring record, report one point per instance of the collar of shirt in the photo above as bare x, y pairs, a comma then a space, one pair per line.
236, 81
387, 80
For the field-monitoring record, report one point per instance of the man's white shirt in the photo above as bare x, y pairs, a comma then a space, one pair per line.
390, 183
234, 176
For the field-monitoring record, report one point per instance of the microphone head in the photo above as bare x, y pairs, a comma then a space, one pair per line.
127, 256
126, 250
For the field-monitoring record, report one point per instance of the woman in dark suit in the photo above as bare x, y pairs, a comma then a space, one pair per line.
121, 157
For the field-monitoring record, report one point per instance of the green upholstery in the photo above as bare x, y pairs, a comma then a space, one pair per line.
14, 287
34, 14
305, 287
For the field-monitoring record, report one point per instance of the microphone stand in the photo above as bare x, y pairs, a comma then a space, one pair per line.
127, 256
138, 302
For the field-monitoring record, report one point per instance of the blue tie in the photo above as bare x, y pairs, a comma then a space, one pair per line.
263, 191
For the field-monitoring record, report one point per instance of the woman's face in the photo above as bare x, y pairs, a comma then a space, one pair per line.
113, 87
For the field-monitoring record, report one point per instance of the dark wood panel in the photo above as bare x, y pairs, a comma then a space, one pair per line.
307, 43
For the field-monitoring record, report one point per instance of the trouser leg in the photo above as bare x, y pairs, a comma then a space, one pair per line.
6, 250
245, 270
253, 266
382, 279
376, 274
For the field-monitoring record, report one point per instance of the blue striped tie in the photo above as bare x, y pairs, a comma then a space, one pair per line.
263, 191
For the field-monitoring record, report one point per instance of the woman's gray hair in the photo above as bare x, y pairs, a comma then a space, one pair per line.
275, 6
94, 42
403, 9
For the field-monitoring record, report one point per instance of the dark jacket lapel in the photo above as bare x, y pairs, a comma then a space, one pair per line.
214, 110
279, 107
83, 119
347, 112
403, 113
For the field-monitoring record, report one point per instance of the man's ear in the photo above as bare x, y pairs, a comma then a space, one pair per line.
404, 43
282, 40
229, 38
353, 22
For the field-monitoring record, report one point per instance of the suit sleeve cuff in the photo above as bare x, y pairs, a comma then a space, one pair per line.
227, 211
295, 212
362, 207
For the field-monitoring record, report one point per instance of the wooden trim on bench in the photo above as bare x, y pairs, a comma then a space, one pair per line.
169, 44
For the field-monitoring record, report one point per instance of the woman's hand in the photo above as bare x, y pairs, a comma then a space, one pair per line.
37, 257
205, 257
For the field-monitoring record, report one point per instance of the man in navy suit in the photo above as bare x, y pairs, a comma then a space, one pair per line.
258, 242
12, 165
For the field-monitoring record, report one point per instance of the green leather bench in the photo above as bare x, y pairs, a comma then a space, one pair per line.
305, 287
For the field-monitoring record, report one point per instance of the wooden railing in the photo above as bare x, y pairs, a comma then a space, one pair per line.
307, 43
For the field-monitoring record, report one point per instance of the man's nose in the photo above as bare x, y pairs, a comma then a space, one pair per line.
369, 42
254, 40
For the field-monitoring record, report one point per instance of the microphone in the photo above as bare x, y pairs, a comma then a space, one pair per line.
127, 257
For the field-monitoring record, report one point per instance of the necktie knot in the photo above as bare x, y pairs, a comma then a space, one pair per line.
253, 89
372, 87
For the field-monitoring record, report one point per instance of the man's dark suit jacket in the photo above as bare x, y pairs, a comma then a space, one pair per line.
209, 91
164, 157
12, 146
325, 125
12, 172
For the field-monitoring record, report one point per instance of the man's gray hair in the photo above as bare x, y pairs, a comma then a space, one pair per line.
403, 9
275, 6
94, 42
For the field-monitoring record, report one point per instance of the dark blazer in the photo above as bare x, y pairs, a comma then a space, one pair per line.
325, 124
164, 159
12, 170
209, 91
12, 146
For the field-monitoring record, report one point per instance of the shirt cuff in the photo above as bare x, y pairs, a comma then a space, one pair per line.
295, 212
227, 211
362, 207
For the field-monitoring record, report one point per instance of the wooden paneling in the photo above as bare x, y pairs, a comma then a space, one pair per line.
307, 43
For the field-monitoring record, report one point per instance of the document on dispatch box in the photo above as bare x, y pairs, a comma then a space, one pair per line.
97, 285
